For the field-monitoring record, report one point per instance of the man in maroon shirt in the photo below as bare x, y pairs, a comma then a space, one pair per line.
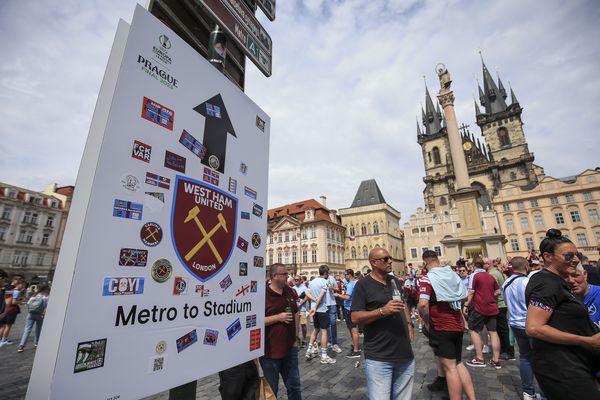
444, 323
282, 323
482, 294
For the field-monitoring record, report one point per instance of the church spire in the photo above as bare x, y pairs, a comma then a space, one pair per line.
494, 102
477, 110
419, 133
513, 98
501, 88
433, 117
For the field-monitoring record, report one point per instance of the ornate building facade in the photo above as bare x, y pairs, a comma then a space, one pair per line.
370, 222
304, 235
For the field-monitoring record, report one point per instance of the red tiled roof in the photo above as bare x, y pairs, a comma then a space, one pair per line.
297, 210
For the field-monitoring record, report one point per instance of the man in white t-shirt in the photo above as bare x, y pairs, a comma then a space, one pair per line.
303, 300
317, 289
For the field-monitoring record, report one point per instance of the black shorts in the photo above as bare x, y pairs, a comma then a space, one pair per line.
348, 319
446, 344
478, 321
321, 320
9, 319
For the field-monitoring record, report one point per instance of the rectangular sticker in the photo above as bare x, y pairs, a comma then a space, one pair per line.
192, 144
257, 210
245, 215
243, 290
157, 113
259, 261
243, 269
250, 321
90, 355
226, 282
255, 339
133, 257
157, 180
202, 290
210, 176
232, 185
260, 124
127, 209
234, 329
186, 341
180, 286
174, 161
210, 337
141, 151
119, 286
156, 364
242, 244
250, 192
253, 286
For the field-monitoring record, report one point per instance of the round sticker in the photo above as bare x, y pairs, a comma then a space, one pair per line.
256, 240
151, 234
213, 161
161, 347
161, 270
130, 182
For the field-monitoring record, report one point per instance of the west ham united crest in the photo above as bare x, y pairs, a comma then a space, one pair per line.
203, 227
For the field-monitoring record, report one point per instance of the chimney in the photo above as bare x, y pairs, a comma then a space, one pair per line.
323, 201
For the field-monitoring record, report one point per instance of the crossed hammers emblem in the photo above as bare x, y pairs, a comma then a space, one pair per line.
206, 239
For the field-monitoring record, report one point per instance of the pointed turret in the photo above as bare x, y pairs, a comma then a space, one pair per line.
419, 133
481, 95
501, 88
432, 123
477, 110
513, 98
494, 102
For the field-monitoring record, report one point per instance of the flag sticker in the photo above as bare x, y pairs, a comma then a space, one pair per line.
234, 329
127, 209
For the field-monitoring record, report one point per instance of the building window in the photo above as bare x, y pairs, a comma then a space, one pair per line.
436, 156
558, 217
45, 239
510, 225
375, 229
313, 255
424, 249
40, 259
270, 258
286, 258
438, 250
443, 201
503, 137
279, 237
524, 222
363, 229
430, 229
353, 253
415, 231
304, 256
570, 198
365, 252
279, 259
520, 205
313, 232
554, 200
50, 221
529, 243
582, 240
413, 253
352, 232
27, 217
2, 233
270, 238
286, 236
303, 233
25, 236
587, 196
575, 217
514, 244
539, 220
534, 203
506, 207
593, 213
6, 213
597, 237
293, 235
294, 257
20, 258
334, 256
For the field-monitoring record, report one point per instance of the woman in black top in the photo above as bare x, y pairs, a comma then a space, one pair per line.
566, 344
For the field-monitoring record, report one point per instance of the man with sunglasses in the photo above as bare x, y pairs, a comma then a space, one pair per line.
389, 360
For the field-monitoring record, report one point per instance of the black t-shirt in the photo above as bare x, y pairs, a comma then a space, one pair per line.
386, 339
550, 292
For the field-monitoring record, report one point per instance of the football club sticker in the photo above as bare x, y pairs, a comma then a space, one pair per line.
213, 162
192, 144
156, 364
203, 227
255, 240
130, 183
232, 185
157, 113
250, 321
123, 286
127, 209
242, 244
243, 168
157, 180
243, 290
245, 215
255, 339
151, 234
210, 337
141, 151
250, 192
260, 124
253, 286
180, 285
175, 162
210, 176
259, 261
226, 282
186, 341
133, 257
243, 269
202, 290
161, 347
213, 110
161, 270
90, 355
234, 329
257, 210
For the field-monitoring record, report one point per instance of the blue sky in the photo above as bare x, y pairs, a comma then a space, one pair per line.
347, 85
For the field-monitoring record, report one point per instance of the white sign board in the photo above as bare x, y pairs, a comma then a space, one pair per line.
160, 279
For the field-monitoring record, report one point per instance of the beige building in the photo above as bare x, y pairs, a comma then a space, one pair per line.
305, 235
31, 228
571, 204
425, 230
370, 222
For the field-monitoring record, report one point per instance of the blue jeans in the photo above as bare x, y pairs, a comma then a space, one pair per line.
31, 318
525, 353
389, 380
288, 368
332, 330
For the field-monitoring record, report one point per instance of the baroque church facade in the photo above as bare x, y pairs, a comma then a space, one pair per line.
499, 157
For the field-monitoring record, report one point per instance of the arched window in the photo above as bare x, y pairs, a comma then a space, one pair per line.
365, 252
352, 232
503, 137
363, 229
443, 201
436, 156
353, 253
375, 228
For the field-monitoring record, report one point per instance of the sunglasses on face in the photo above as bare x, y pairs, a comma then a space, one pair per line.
385, 259
570, 255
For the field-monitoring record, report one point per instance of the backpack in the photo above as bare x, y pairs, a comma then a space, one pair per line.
35, 305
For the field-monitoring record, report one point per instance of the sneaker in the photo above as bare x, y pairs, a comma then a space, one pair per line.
476, 363
535, 396
336, 348
310, 356
486, 349
353, 354
420, 328
438, 384
7, 342
20, 349
495, 364
327, 360
507, 357
470, 347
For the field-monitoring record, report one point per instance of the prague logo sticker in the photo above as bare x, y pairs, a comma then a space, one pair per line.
203, 227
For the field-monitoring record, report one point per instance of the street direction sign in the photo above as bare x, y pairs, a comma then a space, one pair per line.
235, 18
268, 7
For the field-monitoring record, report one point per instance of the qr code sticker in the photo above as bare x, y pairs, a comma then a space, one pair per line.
156, 364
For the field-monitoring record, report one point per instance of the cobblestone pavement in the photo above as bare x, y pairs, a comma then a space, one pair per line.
332, 382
